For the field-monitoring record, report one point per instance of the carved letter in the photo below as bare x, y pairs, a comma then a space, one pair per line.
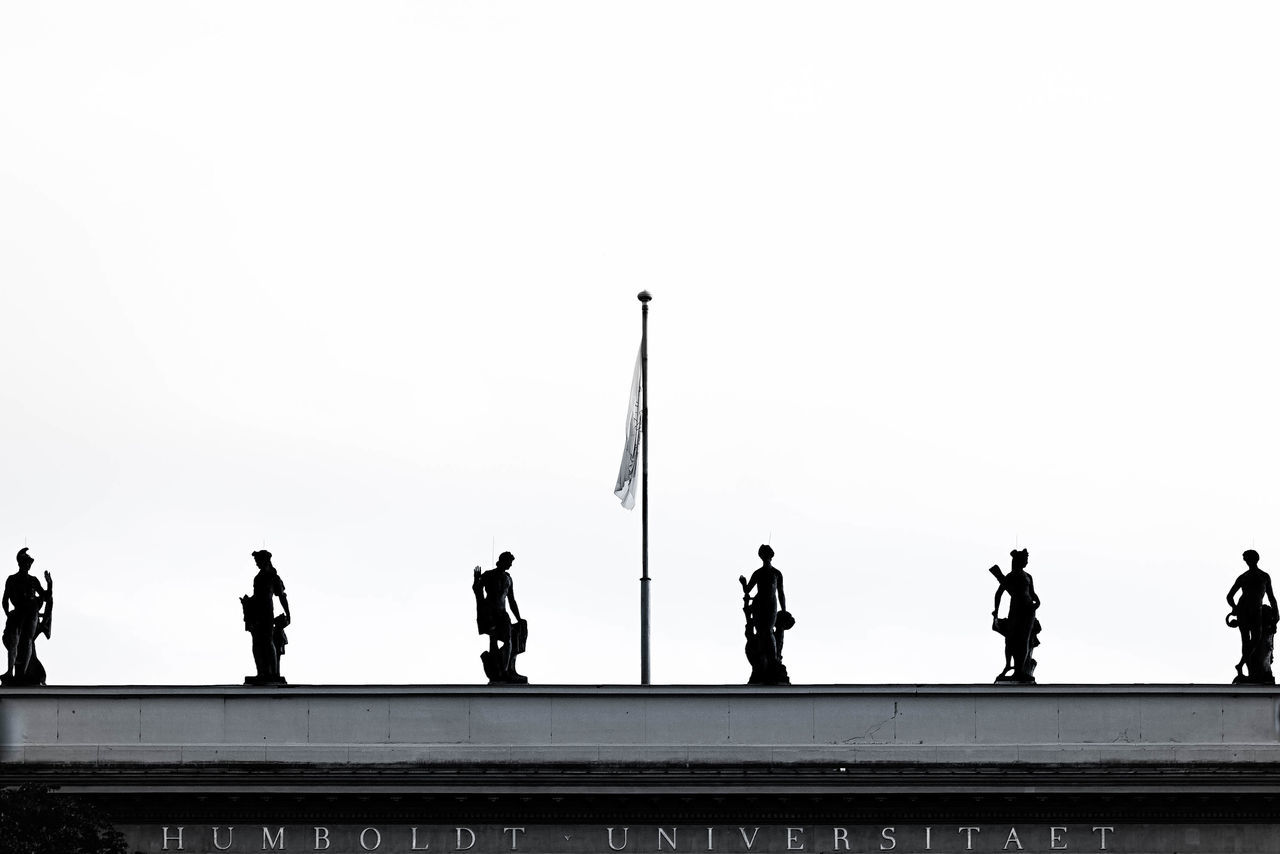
1102, 847
838, 835
794, 844
231, 834
377, 839
470, 844
178, 838
413, 842
969, 836
711, 840
887, 835
752, 840
268, 842
624, 839
670, 840
928, 831
322, 835
1055, 838
513, 831
1013, 837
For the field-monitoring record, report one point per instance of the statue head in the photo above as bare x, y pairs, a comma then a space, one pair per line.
263, 559
25, 560
1251, 558
766, 553
1020, 558
505, 560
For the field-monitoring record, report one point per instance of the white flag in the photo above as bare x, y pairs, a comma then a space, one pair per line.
625, 488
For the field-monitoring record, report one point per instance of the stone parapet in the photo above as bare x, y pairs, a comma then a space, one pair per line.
811, 736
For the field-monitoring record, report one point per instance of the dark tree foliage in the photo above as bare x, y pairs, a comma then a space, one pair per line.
35, 820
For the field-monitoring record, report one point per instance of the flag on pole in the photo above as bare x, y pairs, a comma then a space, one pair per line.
625, 488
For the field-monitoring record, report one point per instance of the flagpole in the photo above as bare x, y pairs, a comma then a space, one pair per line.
644, 298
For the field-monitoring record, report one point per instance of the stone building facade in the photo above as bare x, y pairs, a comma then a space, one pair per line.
1143, 769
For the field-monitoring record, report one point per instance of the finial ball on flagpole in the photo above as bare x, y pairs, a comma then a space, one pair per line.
644, 296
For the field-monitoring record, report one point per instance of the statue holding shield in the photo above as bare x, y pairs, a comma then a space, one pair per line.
28, 613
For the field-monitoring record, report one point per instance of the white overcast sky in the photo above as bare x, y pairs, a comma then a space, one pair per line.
358, 281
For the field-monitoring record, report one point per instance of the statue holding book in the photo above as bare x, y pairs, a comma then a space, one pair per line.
262, 623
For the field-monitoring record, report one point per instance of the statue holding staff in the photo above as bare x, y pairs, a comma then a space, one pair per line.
1021, 629
1256, 621
767, 621
23, 601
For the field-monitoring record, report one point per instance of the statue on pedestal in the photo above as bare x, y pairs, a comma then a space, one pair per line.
262, 624
1256, 622
1021, 629
493, 590
767, 621
23, 601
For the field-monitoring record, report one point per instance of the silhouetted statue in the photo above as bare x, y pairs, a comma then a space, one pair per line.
493, 591
1021, 629
262, 624
25, 621
1256, 622
767, 622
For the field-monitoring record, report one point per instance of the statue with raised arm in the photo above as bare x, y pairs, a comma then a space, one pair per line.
1020, 628
28, 613
767, 622
262, 624
1256, 621
493, 590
